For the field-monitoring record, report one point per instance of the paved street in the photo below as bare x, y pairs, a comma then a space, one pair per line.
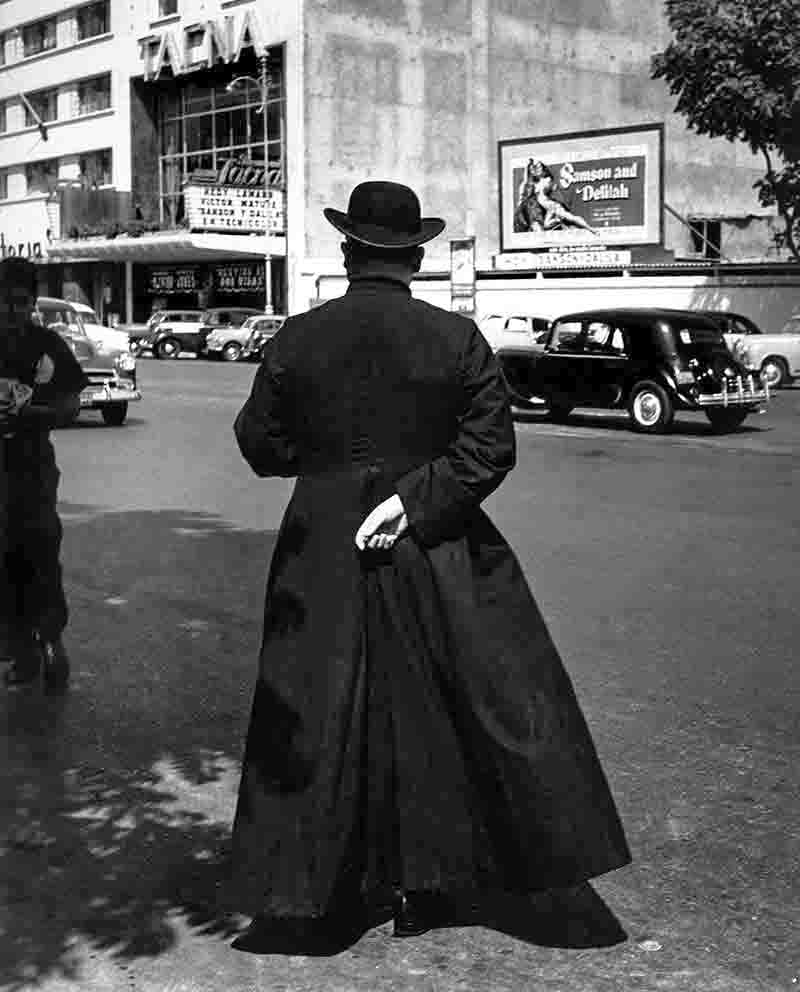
667, 570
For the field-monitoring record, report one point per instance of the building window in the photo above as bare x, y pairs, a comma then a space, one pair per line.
706, 237
93, 19
41, 177
3, 118
39, 37
3, 48
95, 168
44, 103
167, 7
3, 184
94, 94
202, 125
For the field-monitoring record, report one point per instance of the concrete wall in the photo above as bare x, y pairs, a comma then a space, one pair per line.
423, 90
769, 300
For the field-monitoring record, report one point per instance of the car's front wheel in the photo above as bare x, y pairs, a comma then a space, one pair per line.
168, 348
775, 372
232, 351
724, 420
650, 408
114, 414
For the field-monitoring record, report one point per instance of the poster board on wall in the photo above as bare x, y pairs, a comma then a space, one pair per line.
588, 188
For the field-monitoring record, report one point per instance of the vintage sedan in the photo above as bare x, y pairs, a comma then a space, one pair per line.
650, 362
259, 331
166, 332
776, 355
234, 343
112, 376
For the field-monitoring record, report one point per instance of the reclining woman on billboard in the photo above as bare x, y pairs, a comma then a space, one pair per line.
538, 208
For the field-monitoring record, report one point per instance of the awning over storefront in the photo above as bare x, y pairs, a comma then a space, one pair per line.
172, 246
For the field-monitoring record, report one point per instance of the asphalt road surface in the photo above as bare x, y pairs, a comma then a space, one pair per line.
666, 568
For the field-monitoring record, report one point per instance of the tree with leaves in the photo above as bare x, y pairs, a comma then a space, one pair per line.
735, 67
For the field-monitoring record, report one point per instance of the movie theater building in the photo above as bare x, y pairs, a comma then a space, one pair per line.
135, 160
162, 183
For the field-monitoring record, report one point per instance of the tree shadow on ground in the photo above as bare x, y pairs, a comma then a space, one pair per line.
118, 797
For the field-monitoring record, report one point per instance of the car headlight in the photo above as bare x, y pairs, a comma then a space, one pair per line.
125, 363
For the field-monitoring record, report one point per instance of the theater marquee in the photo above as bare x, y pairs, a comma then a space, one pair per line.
592, 188
235, 200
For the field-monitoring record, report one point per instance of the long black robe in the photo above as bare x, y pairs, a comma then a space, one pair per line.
413, 725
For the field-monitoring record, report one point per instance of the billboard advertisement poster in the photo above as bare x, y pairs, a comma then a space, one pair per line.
585, 188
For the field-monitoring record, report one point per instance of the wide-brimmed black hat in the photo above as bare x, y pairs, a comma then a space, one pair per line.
383, 214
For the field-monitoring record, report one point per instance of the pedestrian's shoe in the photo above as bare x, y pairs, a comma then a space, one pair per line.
27, 664
416, 913
56, 665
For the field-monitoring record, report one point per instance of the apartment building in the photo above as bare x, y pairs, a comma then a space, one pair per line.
136, 166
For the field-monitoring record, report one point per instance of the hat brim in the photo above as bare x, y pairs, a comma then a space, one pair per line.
377, 236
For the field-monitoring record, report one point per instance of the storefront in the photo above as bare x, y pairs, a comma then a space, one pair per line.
205, 284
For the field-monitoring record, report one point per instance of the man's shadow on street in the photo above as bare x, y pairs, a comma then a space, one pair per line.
118, 797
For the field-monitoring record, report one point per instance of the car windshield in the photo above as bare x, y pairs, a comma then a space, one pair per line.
90, 317
65, 317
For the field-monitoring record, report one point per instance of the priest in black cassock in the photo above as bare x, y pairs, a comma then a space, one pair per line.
414, 736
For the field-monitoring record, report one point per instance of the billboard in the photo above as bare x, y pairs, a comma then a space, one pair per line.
588, 188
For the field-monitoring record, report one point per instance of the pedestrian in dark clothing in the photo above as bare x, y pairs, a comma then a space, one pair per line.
39, 369
414, 733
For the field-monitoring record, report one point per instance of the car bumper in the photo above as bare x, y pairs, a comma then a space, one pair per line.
743, 391
102, 395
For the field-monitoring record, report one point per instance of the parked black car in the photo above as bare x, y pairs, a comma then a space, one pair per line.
651, 362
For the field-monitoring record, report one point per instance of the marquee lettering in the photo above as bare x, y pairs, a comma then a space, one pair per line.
176, 50
23, 249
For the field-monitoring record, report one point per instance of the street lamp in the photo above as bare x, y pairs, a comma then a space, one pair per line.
262, 82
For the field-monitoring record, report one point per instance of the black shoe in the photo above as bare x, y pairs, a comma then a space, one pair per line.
27, 664
56, 665
416, 913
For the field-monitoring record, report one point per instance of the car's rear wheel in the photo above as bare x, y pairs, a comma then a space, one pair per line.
775, 372
724, 420
114, 414
168, 348
650, 408
232, 351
